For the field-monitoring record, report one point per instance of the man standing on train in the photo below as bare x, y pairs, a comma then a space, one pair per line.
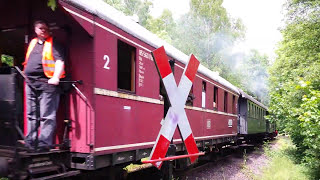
44, 66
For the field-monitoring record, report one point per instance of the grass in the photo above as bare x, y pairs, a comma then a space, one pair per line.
282, 163
245, 169
136, 167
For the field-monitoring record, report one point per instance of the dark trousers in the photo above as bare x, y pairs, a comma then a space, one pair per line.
48, 105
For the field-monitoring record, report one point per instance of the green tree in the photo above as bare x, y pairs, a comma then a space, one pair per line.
163, 26
52, 4
6, 60
133, 7
118, 4
208, 31
144, 12
294, 80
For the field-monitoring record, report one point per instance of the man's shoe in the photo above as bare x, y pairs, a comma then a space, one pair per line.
43, 149
29, 148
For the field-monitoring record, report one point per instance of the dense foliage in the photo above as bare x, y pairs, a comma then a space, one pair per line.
6, 60
52, 4
210, 33
295, 82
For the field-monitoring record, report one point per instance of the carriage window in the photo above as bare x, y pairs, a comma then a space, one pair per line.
190, 98
215, 98
252, 114
233, 104
254, 111
203, 94
225, 101
126, 66
259, 115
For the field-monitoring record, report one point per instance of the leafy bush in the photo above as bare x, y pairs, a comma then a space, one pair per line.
295, 82
283, 163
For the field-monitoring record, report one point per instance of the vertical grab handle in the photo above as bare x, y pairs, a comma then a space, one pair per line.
88, 124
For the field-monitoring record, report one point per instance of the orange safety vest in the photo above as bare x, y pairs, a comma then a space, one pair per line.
48, 62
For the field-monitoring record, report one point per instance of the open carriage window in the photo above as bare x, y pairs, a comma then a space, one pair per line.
126, 66
255, 111
233, 104
215, 98
190, 98
204, 88
225, 101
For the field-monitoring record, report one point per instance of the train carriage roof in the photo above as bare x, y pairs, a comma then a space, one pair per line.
245, 95
113, 16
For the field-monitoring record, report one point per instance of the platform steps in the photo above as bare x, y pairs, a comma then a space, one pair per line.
50, 172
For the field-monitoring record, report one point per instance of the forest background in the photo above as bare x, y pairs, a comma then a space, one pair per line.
289, 85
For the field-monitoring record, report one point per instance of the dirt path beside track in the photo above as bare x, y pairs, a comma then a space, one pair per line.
247, 166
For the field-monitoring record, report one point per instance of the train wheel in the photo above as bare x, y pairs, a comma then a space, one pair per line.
167, 170
117, 173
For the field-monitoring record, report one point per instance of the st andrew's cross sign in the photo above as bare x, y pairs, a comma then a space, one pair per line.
176, 114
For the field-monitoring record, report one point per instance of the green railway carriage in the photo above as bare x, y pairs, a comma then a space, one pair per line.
252, 122
256, 121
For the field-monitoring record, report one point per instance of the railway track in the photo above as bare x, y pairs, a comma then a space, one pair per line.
203, 163
199, 167
217, 157
206, 163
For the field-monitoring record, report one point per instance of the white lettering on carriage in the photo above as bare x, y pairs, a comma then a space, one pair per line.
141, 68
107, 59
145, 54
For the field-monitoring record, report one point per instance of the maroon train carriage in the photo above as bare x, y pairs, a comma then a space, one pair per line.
115, 115
127, 109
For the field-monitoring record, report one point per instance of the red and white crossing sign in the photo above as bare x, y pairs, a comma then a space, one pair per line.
176, 114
